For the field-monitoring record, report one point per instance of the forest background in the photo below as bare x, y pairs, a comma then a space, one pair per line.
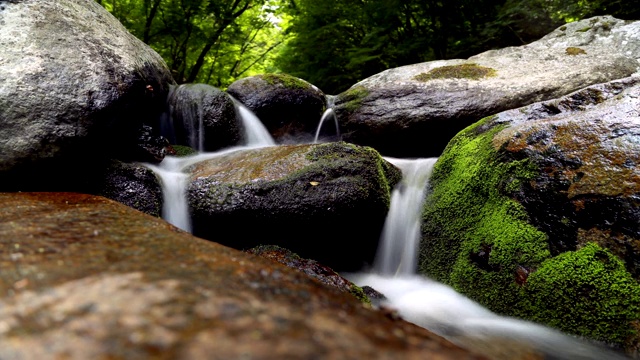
334, 44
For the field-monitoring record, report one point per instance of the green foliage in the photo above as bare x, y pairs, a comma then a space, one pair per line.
462, 71
586, 292
205, 41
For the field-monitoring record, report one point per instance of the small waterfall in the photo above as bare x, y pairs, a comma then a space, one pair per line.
175, 208
328, 114
401, 233
256, 134
438, 307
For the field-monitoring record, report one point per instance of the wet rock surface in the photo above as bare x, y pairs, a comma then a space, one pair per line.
85, 277
327, 202
403, 112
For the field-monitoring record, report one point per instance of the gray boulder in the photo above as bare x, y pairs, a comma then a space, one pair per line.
327, 202
76, 86
289, 107
414, 110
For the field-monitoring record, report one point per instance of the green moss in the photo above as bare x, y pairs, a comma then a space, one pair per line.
584, 29
359, 294
288, 81
387, 174
462, 71
575, 51
587, 292
182, 150
476, 234
352, 98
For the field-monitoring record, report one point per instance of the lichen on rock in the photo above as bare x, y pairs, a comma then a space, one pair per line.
462, 71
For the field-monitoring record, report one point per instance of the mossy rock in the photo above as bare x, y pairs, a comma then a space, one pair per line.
462, 71
326, 201
533, 214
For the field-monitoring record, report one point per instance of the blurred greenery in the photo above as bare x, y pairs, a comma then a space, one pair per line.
335, 44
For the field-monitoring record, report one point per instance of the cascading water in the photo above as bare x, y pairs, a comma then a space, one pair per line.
256, 134
417, 299
401, 233
328, 114
438, 307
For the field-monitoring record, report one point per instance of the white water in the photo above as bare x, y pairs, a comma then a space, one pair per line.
328, 114
438, 307
401, 233
256, 134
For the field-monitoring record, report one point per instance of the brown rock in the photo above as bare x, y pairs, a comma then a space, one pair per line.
85, 277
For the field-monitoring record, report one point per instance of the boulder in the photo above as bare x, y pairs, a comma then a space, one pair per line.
534, 213
83, 277
414, 110
289, 107
76, 86
326, 202
203, 117
131, 184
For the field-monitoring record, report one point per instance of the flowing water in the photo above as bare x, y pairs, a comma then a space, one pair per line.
328, 114
417, 299
438, 307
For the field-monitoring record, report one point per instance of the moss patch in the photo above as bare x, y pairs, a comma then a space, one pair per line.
586, 292
462, 71
477, 237
575, 51
182, 150
352, 98
288, 81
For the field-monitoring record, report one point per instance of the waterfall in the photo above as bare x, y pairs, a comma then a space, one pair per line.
175, 209
438, 307
328, 114
401, 233
256, 134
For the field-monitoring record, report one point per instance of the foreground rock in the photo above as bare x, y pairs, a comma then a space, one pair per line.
326, 202
534, 213
70, 93
289, 107
83, 277
414, 110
